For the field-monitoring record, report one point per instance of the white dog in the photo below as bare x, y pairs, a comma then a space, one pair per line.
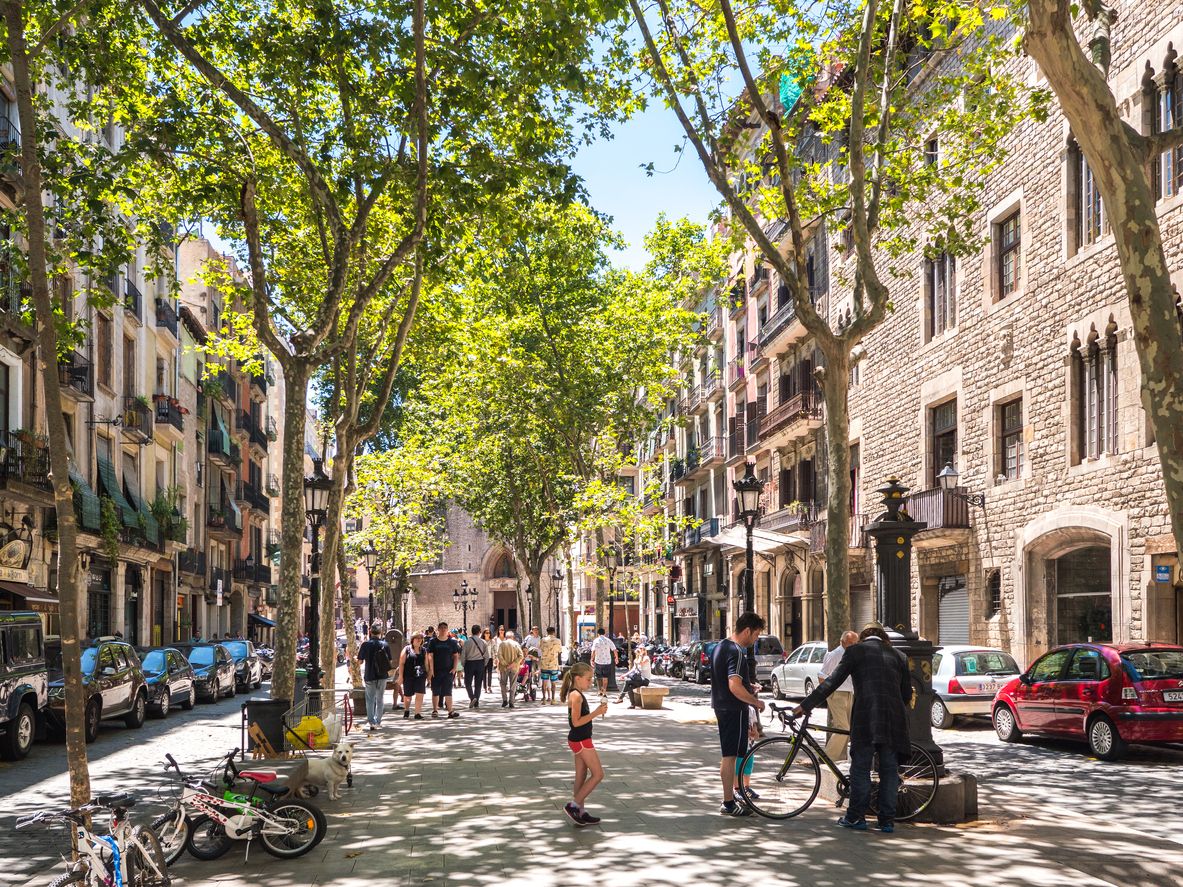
329, 773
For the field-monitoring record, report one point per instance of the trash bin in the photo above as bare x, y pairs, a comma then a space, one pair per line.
268, 715
301, 684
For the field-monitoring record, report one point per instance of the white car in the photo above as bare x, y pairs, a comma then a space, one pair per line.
797, 675
965, 679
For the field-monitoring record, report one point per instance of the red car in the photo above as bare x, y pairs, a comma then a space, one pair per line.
1106, 694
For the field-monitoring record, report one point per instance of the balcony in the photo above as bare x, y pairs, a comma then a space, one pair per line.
737, 297
712, 386
246, 425
704, 532
756, 412
219, 577
252, 496
736, 372
274, 543
221, 385
259, 383
220, 448
248, 570
791, 418
76, 376
13, 291
791, 518
677, 470
858, 533
24, 460
272, 429
757, 356
736, 442
223, 523
133, 300
10, 146
166, 317
946, 514
272, 487
138, 418
693, 400
192, 562
169, 417
778, 323
713, 325
711, 452
759, 278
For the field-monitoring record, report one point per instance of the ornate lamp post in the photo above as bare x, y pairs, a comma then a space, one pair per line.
748, 490
371, 558
556, 590
316, 503
612, 562
949, 477
461, 598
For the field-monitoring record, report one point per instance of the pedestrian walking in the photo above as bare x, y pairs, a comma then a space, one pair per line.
731, 695
838, 705
412, 665
375, 657
509, 660
443, 661
878, 722
490, 656
589, 772
603, 657
461, 638
474, 654
551, 672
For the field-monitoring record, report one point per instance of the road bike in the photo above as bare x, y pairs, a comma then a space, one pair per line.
128, 854
232, 805
786, 773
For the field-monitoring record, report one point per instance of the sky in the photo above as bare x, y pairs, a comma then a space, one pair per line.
618, 185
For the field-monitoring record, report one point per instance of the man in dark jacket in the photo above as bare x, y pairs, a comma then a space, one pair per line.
878, 722
375, 655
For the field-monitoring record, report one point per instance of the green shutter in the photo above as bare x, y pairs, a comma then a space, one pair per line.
110, 485
151, 525
86, 503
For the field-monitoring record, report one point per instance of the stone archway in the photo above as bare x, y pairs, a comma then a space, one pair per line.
1063, 547
792, 609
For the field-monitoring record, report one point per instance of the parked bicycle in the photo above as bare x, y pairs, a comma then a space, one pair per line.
128, 854
786, 773
236, 805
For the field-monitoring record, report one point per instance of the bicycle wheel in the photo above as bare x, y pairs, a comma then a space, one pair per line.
303, 827
146, 865
785, 777
172, 829
919, 779
68, 878
207, 839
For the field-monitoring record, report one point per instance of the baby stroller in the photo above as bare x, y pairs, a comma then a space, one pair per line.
525, 684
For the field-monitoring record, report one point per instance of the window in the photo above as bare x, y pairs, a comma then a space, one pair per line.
106, 350
993, 593
1087, 665
1091, 223
1168, 113
1010, 438
1049, 667
1007, 240
940, 285
944, 438
129, 367
23, 646
1094, 381
932, 152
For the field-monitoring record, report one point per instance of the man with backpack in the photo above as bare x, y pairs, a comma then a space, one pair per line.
375, 656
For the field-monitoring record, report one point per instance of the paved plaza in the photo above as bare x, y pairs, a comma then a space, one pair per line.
479, 801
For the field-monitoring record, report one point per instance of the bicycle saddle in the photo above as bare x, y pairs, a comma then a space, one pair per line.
258, 775
115, 799
272, 788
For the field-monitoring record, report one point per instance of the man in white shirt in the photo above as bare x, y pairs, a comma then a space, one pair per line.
839, 703
603, 654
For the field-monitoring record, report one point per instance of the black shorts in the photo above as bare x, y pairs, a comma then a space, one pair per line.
441, 684
415, 685
733, 732
604, 671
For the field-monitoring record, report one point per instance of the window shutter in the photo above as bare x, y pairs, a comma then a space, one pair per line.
805, 482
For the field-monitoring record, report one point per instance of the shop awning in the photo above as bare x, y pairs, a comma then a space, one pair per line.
32, 595
261, 620
763, 541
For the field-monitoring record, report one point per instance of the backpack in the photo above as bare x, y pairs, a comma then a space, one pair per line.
381, 659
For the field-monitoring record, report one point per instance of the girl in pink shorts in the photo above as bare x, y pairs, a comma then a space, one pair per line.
588, 770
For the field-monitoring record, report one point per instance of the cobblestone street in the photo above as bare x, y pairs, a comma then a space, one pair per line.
473, 800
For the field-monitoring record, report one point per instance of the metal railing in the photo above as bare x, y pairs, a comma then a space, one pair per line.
26, 460
794, 516
735, 371
712, 384
939, 508
218, 573
253, 496
138, 417
779, 320
255, 571
166, 317
168, 412
133, 300
76, 374
858, 532
711, 450
804, 404
736, 442
191, 561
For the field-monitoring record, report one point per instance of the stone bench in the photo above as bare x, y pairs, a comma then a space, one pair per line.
649, 697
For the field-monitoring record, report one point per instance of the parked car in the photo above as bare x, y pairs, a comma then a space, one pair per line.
24, 682
965, 680
213, 670
248, 668
769, 654
169, 677
1107, 695
697, 666
797, 675
112, 680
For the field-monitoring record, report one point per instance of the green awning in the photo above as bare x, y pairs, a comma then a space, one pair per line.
233, 507
85, 501
110, 486
151, 525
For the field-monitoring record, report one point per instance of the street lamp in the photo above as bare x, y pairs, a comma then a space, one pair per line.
556, 588
371, 557
612, 561
461, 598
316, 503
748, 490
948, 478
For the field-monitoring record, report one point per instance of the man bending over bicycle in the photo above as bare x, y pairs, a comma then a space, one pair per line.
878, 722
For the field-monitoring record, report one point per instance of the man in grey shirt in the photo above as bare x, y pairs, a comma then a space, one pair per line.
473, 657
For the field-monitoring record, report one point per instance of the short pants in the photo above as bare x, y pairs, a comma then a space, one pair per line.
733, 732
604, 671
577, 746
413, 686
441, 684
549, 674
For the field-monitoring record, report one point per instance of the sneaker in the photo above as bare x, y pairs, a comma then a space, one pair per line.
418, 717
406, 713
859, 825
435, 714
587, 819
731, 808
752, 793
887, 827
453, 714
504, 703
573, 813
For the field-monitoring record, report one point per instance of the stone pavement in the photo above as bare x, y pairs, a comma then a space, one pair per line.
479, 801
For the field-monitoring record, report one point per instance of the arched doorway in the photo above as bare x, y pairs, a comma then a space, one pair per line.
1081, 596
502, 580
792, 596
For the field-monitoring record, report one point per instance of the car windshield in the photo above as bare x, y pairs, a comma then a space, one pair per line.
154, 661
1152, 665
769, 647
985, 662
237, 649
201, 656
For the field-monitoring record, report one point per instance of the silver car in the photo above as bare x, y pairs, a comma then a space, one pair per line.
797, 675
965, 679
769, 654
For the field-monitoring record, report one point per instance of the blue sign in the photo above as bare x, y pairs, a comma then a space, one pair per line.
1162, 573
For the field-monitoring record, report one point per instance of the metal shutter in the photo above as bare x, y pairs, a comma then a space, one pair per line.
953, 611
862, 609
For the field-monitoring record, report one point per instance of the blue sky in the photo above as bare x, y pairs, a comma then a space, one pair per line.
618, 186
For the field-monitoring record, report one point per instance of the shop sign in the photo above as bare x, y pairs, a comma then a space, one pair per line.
11, 574
1162, 573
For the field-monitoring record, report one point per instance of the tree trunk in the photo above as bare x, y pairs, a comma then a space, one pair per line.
333, 542
63, 492
601, 588
1118, 162
350, 635
289, 621
534, 574
834, 381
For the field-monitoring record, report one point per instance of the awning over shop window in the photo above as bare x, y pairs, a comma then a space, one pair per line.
261, 620
86, 500
111, 487
763, 541
41, 599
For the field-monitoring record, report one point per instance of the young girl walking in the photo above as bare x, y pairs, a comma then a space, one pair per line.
588, 771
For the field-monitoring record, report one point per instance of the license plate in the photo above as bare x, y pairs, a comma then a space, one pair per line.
1172, 695
988, 688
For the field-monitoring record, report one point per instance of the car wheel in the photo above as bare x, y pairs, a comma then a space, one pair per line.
699, 676
776, 693
18, 738
808, 686
165, 703
939, 715
1005, 725
135, 718
189, 700
1104, 740
94, 712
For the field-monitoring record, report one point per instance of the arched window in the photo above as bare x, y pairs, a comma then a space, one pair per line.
1094, 385
504, 568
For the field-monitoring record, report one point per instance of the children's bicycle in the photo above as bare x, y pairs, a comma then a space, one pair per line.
786, 773
128, 854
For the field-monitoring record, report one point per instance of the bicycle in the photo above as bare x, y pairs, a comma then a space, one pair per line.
786, 773
206, 823
128, 855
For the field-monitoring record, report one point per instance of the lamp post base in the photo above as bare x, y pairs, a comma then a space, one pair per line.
919, 652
